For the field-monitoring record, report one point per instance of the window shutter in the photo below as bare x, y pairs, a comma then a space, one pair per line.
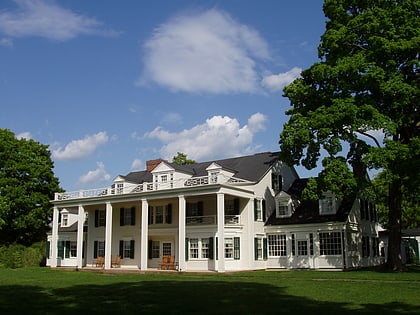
83, 249
187, 241
95, 249
121, 249
169, 214
133, 215
217, 248
236, 206
149, 249
255, 209
263, 209
96, 218
61, 249
211, 248
121, 216
132, 249
265, 248
150, 215
200, 208
236, 248
256, 248
67, 249
293, 245
47, 249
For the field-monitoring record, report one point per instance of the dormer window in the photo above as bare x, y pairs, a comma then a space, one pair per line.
327, 205
164, 178
64, 219
284, 207
213, 177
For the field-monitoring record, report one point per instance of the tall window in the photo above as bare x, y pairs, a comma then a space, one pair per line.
228, 247
330, 243
100, 218
155, 251
302, 247
204, 248
65, 219
213, 177
283, 208
258, 210
127, 216
160, 214
193, 248
127, 249
258, 248
73, 249
277, 245
98, 249
276, 182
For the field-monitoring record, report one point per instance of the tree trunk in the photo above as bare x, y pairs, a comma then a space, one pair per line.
394, 261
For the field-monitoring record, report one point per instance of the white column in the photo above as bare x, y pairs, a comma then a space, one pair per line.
144, 234
181, 233
221, 231
54, 238
108, 236
80, 224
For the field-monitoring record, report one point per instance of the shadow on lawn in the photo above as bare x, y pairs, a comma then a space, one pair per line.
175, 297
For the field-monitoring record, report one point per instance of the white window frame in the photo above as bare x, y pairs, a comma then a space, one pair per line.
328, 204
229, 247
64, 219
277, 245
259, 248
198, 248
283, 203
259, 210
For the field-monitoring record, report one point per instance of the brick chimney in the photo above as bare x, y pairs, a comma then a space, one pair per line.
151, 164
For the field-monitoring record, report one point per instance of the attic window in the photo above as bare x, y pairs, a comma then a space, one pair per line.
284, 207
327, 205
65, 219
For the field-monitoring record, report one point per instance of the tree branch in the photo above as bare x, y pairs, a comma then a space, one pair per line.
369, 136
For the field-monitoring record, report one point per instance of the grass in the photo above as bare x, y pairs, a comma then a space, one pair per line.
47, 291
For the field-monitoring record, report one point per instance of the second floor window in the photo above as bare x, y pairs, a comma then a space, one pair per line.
100, 218
127, 216
160, 214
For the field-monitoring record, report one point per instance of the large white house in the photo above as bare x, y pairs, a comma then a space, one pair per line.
242, 213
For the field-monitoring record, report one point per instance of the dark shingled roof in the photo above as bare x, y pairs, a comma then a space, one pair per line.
251, 168
308, 210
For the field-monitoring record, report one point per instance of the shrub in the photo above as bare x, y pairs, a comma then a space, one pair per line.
18, 256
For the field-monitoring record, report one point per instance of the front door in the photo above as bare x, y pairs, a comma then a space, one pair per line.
302, 253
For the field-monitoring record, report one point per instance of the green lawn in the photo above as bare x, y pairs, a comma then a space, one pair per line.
47, 291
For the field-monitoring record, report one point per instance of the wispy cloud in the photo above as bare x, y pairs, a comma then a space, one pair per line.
24, 135
46, 19
219, 136
206, 52
79, 149
276, 82
96, 176
137, 165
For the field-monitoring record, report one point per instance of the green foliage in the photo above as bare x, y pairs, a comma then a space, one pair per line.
181, 159
367, 82
27, 184
18, 256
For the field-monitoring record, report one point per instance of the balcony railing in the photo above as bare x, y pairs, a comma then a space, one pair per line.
211, 220
144, 187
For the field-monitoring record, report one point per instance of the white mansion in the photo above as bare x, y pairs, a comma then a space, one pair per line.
242, 213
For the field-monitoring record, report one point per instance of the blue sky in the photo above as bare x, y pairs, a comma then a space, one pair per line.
111, 84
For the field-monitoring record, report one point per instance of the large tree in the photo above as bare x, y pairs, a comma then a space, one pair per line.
359, 105
27, 184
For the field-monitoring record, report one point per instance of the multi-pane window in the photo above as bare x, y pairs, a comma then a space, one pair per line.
327, 205
213, 177
228, 247
164, 178
277, 245
330, 243
100, 218
120, 188
155, 251
166, 249
98, 249
127, 216
293, 245
73, 249
276, 182
258, 210
204, 248
160, 214
127, 249
283, 208
302, 247
193, 248
65, 219
258, 248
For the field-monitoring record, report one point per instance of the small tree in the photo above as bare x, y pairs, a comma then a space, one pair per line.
27, 184
367, 81
181, 159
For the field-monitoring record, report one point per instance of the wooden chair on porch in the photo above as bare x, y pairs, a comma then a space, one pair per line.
172, 265
164, 263
115, 262
99, 262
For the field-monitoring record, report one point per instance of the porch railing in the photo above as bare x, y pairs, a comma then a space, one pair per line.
211, 220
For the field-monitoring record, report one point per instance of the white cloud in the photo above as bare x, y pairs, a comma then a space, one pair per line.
47, 19
79, 149
207, 52
137, 165
276, 82
217, 137
96, 176
24, 135
6, 42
